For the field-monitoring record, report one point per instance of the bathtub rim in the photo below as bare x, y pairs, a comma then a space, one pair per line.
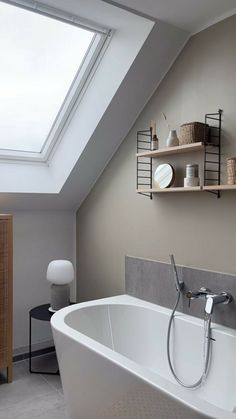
174, 391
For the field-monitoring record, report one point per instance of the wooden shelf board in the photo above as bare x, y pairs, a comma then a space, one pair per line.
219, 188
186, 148
168, 190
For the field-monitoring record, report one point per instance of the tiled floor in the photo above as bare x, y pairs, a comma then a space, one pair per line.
32, 396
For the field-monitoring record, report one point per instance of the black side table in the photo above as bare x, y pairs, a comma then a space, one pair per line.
39, 313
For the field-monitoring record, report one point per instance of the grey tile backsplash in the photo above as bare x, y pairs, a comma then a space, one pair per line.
152, 281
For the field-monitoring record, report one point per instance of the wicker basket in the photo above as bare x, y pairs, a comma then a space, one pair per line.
231, 171
192, 132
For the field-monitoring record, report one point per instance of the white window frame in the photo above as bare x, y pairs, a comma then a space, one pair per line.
77, 88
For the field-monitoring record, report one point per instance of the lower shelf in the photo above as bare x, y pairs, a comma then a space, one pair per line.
190, 189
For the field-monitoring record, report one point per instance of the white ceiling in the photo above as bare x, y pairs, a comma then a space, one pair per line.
191, 15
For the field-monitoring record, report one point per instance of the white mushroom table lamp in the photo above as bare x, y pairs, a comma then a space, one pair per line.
60, 273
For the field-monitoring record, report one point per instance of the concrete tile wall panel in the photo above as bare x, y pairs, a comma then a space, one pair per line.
152, 281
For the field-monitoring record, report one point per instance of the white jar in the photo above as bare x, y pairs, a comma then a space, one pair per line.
191, 182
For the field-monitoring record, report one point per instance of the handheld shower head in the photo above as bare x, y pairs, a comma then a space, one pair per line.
178, 283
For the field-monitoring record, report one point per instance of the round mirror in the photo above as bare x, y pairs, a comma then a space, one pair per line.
164, 176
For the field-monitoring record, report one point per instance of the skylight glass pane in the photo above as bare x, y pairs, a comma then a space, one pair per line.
40, 57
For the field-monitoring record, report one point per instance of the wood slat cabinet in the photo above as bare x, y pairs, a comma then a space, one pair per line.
6, 285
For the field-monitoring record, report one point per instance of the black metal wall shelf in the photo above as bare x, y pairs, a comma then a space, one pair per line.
144, 163
210, 146
212, 158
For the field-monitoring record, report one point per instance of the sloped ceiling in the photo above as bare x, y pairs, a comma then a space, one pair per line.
190, 15
144, 74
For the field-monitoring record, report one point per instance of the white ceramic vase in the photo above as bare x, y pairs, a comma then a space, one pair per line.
172, 139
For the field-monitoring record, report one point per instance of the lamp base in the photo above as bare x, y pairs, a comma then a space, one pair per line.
51, 310
60, 297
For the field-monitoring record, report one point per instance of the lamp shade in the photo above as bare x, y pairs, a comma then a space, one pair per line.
60, 272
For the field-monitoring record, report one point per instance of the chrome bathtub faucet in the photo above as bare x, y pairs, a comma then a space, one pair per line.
211, 298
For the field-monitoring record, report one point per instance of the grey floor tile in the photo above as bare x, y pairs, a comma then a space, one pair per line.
48, 406
24, 389
54, 381
32, 396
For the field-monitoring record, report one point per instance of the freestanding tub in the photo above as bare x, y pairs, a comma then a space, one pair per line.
113, 362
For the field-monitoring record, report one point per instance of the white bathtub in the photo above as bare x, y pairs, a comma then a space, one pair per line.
113, 363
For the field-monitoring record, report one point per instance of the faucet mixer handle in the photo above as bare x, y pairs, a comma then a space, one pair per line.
212, 299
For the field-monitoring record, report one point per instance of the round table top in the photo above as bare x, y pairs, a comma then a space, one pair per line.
41, 312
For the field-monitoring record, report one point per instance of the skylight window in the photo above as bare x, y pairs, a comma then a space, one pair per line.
43, 69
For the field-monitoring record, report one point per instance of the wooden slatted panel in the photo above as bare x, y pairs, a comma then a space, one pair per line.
6, 293
4, 254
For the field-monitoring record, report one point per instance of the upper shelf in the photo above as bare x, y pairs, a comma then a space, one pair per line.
186, 148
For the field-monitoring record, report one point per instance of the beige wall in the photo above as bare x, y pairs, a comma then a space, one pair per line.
197, 227
38, 238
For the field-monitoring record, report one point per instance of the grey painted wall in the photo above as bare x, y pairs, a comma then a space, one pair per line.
199, 229
38, 238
